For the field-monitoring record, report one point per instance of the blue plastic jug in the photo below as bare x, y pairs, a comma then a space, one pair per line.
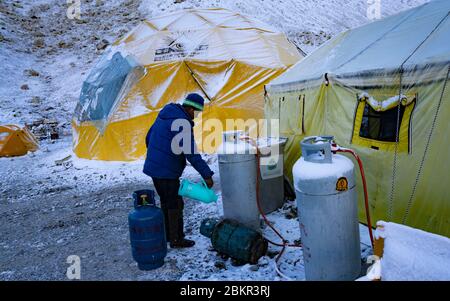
195, 191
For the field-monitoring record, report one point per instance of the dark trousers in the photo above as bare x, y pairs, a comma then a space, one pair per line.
172, 206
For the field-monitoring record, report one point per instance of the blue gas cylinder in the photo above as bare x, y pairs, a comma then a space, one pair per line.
147, 233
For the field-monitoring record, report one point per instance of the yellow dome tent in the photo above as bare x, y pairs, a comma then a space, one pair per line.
225, 56
384, 90
16, 141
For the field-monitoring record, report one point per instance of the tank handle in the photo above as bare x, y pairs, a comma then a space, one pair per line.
317, 144
144, 198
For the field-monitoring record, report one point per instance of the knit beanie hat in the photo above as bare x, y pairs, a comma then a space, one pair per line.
194, 100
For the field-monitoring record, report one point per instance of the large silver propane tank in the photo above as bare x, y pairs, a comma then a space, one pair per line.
326, 199
237, 168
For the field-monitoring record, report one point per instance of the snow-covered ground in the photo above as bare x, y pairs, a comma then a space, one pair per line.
49, 210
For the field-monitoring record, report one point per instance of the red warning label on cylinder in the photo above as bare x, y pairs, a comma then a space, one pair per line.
342, 184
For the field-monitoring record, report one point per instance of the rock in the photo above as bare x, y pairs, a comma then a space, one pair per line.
290, 215
2, 38
272, 254
220, 265
24, 87
51, 51
62, 161
103, 44
123, 31
31, 72
36, 100
44, 7
38, 34
57, 189
63, 44
298, 242
39, 43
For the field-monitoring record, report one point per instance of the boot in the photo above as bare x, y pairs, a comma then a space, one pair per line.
176, 236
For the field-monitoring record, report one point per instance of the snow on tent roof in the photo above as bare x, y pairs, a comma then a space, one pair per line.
415, 37
220, 34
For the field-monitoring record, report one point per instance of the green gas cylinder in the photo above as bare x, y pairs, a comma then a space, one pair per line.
235, 240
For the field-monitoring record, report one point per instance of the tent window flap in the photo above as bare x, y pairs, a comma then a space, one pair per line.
375, 124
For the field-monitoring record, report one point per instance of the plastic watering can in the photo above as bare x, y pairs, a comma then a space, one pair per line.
195, 191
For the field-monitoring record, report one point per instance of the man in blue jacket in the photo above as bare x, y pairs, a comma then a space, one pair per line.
170, 141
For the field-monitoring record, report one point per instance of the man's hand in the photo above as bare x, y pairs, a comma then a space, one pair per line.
209, 182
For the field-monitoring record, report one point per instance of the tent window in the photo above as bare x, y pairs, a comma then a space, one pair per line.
375, 124
381, 126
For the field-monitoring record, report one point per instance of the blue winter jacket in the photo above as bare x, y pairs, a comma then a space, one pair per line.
161, 161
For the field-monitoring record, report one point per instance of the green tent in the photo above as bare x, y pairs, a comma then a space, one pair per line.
381, 89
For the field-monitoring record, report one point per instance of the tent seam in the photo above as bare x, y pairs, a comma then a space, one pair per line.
423, 42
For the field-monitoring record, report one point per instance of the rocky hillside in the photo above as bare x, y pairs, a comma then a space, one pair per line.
45, 56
